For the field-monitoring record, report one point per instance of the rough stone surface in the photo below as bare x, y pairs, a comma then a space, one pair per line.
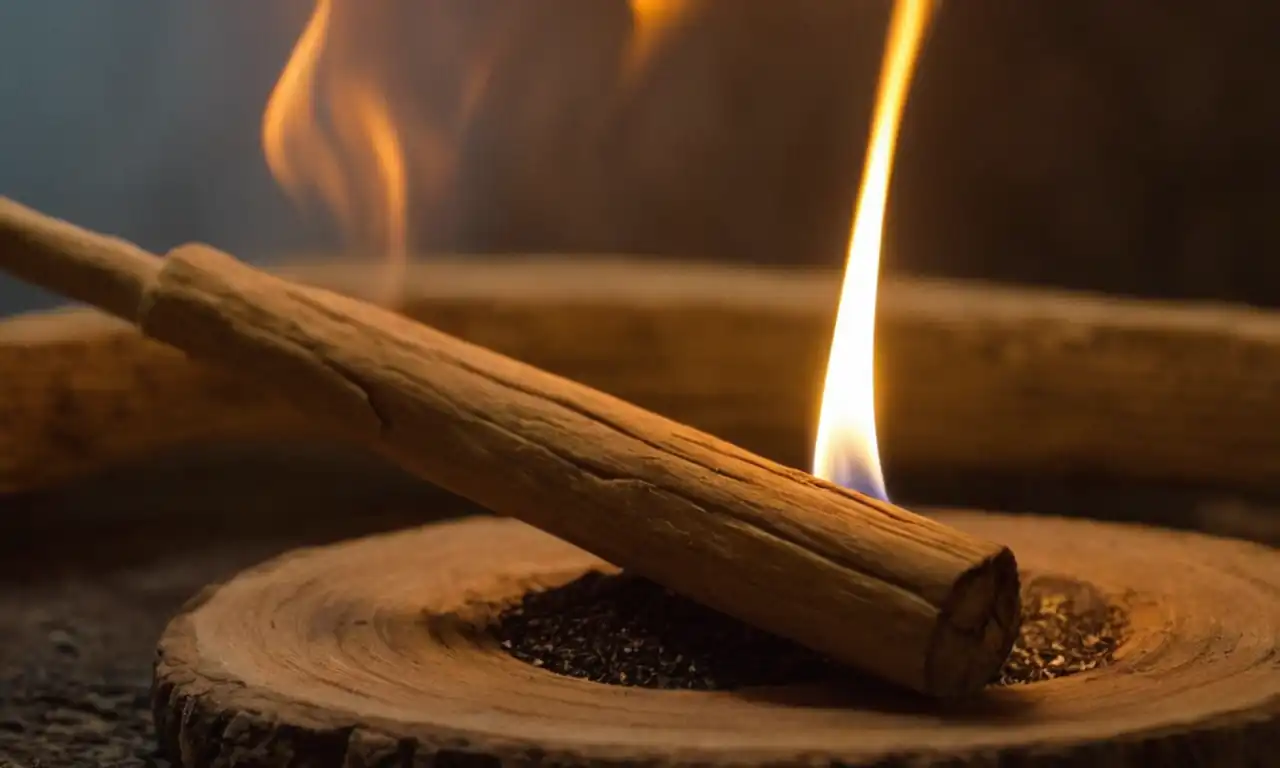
75, 672
90, 575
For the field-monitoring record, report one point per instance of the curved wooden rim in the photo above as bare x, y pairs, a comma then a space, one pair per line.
972, 377
367, 648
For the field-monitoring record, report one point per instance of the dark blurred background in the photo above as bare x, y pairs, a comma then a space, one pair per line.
1129, 147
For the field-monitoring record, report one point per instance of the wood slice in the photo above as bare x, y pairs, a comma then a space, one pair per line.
973, 377
374, 652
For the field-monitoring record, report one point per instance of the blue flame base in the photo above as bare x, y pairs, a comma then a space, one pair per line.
858, 476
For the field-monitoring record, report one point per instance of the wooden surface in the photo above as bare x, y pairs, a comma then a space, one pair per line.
972, 377
872, 585
875, 586
361, 651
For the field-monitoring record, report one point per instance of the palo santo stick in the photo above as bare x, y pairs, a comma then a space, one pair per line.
884, 590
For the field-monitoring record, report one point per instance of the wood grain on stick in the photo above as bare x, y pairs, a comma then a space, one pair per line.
892, 593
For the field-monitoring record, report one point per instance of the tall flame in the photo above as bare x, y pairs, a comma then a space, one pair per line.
330, 135
357, 166
847, 451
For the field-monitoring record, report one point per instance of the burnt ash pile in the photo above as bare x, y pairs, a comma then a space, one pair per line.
1066, 629
625, 630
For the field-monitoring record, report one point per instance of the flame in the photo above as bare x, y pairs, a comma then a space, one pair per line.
355, 161
847, 451
330, 135
652, 22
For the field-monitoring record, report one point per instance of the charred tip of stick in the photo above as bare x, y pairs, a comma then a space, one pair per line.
977, 628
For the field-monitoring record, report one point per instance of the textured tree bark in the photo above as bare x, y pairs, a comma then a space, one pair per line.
884, 590
373, 652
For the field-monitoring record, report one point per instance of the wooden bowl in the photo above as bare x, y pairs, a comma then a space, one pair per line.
972, 377
375, 652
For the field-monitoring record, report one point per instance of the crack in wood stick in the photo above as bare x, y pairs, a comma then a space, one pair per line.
884, 590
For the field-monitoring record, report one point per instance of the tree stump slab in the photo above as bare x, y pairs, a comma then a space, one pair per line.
379, 651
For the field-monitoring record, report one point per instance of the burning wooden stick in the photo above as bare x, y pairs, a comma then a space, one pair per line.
877, 587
